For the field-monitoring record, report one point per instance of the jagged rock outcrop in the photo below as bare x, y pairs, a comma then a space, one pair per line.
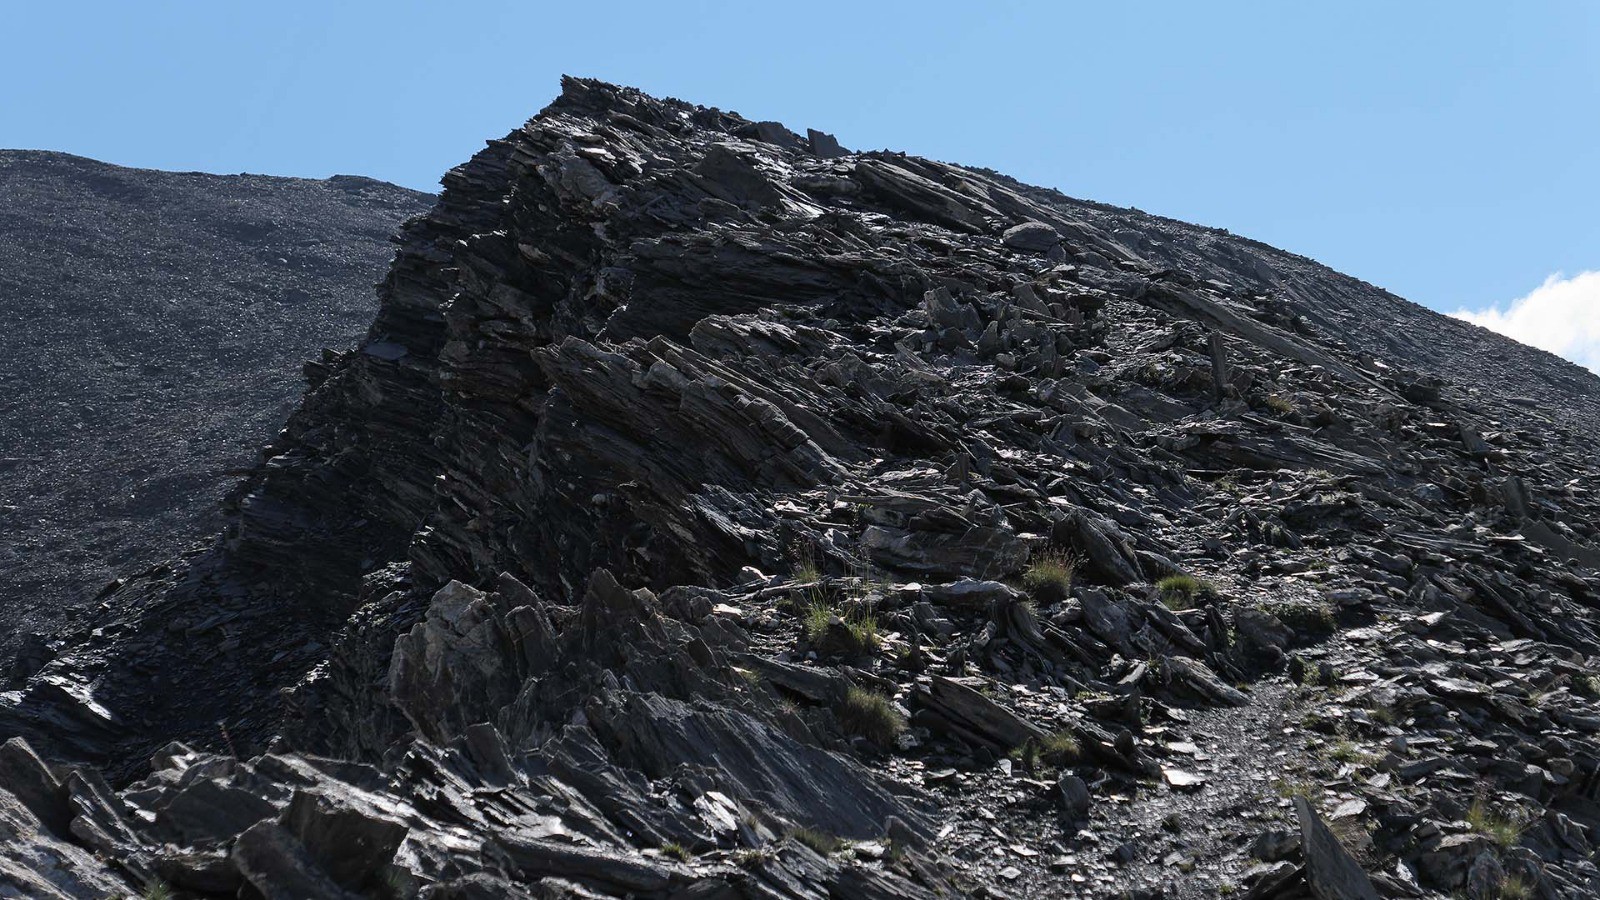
716, 512
153, 330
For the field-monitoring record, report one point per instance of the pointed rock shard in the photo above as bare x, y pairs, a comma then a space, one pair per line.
25, 777
1196, 678
825, 145
1219, 366
1330, 870
1101, 545
611, 614
1074, 794
1516, 497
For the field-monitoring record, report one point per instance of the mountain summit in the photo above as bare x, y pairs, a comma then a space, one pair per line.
713, 511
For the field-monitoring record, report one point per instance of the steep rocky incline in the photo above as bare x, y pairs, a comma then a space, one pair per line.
153, 326
714, 512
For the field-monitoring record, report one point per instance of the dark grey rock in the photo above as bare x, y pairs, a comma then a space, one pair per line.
277, 867
30, 782
1036, 237
1331, 872
352, 836
1075, 799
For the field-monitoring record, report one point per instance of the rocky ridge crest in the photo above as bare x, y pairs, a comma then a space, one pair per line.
716, 512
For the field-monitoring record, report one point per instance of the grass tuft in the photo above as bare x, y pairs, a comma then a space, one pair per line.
860, 636
820, 841
1515, 887
1181, 591
816, 617
1346, 751
1587, 687
1058, 749
803, 558
1289, 788
1302, 618
1504, 830
1048, 577
871, 716
816, 608
1382, 715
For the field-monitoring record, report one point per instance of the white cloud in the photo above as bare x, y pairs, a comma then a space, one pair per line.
1561, 316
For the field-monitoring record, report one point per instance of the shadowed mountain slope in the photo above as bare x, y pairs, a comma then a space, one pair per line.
152, 330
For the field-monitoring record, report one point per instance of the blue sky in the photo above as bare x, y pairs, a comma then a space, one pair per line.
1449, 151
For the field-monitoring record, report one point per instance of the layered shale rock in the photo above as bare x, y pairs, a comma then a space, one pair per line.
716, 512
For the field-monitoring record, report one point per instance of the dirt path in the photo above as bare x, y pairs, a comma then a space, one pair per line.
1150, 838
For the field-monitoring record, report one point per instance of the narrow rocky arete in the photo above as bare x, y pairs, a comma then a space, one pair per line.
716, 512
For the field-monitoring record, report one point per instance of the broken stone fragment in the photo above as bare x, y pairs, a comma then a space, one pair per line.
209, 811
607, 870
977, 552
1074, 795
1274, 845
824, 145
967, 593
350, 835
953, 708
1034, 237
1485, 877
25, 777
1194, 678
1262, 630
1182, 779
1330, 870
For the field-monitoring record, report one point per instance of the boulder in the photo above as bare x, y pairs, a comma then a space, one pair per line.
36, 863
278, 867
1034, 237
29, 781
351, 835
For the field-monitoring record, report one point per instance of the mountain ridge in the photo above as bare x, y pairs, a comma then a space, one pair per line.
712, 511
